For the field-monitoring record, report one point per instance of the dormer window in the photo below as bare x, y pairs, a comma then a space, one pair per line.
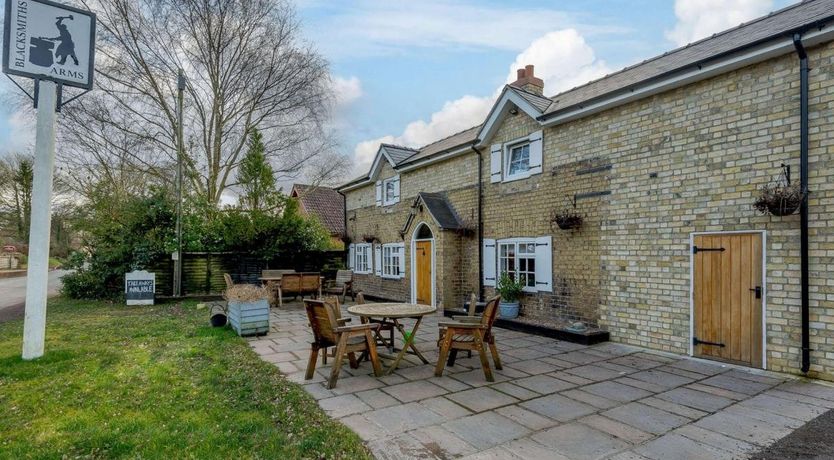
388, 191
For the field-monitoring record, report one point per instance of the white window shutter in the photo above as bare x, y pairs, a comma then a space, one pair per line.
544, 264
495, 163
536, 144
401, 249
379, 193
378, 260
396, 189
351, 256
489, 262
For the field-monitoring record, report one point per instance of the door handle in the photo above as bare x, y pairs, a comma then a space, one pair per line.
758, 291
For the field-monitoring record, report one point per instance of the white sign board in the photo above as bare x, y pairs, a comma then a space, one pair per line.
49, 41
140, 287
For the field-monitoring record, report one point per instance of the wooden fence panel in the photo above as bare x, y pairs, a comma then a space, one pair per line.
202, 272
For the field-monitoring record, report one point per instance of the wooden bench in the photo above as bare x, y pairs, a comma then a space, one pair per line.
296, 284
271, 279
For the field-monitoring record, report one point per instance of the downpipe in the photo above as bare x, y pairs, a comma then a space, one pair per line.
803, 209
480, 225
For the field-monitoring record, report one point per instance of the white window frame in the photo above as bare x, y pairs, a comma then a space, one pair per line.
516, 243
392, 181
392, 260
508, 154
362, 253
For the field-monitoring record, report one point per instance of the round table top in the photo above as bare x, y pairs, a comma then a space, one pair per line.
391, 310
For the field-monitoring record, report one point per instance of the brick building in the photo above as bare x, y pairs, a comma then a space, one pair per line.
663, 161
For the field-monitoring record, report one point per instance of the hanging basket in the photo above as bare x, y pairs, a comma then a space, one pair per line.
781, 197
568, 221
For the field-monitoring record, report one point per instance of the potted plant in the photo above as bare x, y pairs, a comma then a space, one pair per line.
510, 291
248, 309
779, 198
568, 219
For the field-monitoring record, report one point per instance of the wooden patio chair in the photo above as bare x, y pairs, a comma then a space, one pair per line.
467, 334
342, 285
347, 339
333, 301
383, 327
471, 311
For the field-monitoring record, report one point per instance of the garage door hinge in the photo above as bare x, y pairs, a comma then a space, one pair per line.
697, 341
696, 249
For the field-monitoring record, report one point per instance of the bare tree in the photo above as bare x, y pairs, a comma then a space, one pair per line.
246, 68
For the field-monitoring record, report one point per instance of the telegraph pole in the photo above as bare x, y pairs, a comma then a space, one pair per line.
180, 148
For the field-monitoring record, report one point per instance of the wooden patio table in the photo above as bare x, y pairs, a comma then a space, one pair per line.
394, 312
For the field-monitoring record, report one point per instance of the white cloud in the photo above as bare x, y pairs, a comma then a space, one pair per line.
375, 28
699, 19
563, 60
347, 90
21, 135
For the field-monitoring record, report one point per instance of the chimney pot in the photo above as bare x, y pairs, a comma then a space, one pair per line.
527, 80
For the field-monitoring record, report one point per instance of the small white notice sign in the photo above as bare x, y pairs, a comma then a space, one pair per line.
45, 40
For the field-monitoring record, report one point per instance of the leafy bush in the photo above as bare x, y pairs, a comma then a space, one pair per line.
83, 285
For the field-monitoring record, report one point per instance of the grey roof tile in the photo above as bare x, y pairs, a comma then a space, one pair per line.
441, 210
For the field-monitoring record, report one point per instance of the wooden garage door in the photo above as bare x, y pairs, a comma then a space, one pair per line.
728, 298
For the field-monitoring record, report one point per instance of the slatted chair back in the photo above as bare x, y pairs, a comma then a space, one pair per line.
333, 301
309, 282
291, 282
343, 276
473, 304
228, 279
489, 315
323, 321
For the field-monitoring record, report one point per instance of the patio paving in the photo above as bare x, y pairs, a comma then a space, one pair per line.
553, 399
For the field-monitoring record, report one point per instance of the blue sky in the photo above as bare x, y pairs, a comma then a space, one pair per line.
411, 72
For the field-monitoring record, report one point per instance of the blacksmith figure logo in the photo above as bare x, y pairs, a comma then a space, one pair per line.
41, 52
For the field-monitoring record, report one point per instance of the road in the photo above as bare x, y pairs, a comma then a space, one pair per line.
13, 294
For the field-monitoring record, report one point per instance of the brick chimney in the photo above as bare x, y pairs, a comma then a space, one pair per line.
528, 81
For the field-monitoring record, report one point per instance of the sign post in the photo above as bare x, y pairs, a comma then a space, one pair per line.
53, 44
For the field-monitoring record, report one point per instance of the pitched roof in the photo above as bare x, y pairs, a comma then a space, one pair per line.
538, 101
455, 140
441, 210
398, 153
779, 23
325, 203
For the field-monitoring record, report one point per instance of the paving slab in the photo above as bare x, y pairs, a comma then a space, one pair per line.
646, 418
616, 391
676, 446
527, 418
617, 429
717, 440
559, 407
579, 442
486, 430
543, 384
341, 406
482, 399
414, 391
398, 419
696, 399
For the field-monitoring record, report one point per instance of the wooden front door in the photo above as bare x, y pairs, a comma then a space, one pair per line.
727, 294
423, 266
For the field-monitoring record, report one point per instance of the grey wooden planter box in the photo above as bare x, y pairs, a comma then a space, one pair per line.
249, 318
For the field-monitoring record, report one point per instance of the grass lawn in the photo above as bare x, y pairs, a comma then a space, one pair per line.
153, 382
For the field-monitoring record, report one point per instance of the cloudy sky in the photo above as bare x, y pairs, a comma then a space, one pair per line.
411, 72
